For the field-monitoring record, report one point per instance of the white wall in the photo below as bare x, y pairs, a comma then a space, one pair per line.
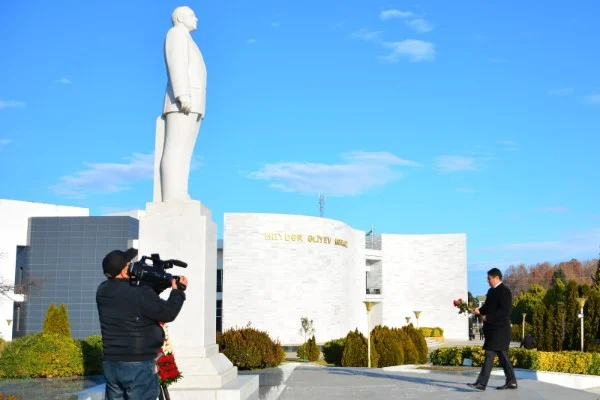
425, 273
273, 283
14, 226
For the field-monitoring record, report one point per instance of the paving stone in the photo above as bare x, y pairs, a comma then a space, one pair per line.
321, 383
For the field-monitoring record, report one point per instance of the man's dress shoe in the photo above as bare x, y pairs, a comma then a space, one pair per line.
507, 386
476, 385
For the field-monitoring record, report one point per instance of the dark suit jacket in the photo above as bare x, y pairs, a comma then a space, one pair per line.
496, 328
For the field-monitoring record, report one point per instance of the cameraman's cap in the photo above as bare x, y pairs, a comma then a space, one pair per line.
115, 261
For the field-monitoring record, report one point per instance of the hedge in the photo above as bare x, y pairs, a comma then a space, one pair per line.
431, 332
571, 362
249, 348
389, 346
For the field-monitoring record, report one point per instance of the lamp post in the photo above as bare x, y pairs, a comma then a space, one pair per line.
417, 313
524, 315
407, 320
581, 301
369, 305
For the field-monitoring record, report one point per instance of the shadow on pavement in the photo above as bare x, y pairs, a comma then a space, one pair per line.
385, 375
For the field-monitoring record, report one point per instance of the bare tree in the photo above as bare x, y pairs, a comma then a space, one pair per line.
25, 287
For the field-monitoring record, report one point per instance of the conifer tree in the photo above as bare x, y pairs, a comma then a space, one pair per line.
50, 320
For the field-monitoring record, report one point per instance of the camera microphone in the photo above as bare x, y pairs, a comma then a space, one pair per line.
179, 263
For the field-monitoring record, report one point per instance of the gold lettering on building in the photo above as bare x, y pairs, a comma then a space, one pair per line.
296, 237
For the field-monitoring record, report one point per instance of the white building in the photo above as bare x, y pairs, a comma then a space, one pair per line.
272, 269
279, 268
14, 223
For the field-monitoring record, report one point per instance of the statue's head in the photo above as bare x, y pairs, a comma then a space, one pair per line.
185, 16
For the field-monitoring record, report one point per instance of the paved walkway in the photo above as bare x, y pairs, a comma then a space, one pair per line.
323, 383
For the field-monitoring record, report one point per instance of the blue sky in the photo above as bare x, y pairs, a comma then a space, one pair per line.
417, 117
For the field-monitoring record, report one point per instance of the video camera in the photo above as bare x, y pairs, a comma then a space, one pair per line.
154, 274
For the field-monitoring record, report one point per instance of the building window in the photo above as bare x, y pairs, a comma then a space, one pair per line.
219, 280
219, 315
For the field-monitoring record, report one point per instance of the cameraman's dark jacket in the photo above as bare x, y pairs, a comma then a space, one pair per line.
129, 319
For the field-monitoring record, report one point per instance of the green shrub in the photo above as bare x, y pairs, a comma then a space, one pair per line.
333, 351
309, 350
516, 331
92, 352
437, 332
431, 332
411, 354
57, 320
41, 355
388, 346
452, 356
426, 332
249, 348
419, 341
355, 351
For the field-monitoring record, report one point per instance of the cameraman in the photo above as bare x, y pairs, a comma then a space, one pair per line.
131, 333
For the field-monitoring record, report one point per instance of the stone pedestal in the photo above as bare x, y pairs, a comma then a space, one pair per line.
185, 231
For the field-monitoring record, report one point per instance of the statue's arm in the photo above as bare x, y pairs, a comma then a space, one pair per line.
177, 57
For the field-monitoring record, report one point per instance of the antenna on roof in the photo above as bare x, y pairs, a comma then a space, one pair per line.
321, 205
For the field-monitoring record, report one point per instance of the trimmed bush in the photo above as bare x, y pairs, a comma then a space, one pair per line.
249, 348
516, 331
419, 341
333, 351
41, 355
388, 345
309, 350
92, 352
411, 354
355, 351
437, 332
57, 320
431, 332
572, 362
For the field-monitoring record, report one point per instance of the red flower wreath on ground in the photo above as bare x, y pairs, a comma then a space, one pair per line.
167, 367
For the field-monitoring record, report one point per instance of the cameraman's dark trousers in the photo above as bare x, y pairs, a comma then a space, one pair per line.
130, 319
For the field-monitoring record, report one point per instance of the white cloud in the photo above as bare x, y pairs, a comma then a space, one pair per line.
392, 14
4, 143
592, 99
509, 145
106, 177
359, 173
11, 104
465, 190
365, 34
554, 209
63, 80
561, 91
251, 41
275, 24
420, 25
450, 164
411, 49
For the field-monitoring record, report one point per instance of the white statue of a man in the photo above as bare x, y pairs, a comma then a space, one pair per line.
184, 105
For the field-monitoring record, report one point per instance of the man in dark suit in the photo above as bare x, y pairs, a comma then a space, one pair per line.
496, 328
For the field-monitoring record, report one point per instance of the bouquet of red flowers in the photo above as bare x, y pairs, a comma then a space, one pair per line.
167, 368
463, 308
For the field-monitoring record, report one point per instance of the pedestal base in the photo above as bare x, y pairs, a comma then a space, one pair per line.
242, 387
184, 230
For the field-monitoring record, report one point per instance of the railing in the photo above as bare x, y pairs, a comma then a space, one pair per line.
373, 242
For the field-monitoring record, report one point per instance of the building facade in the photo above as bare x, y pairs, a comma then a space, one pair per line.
272, 270
279, 268
63, 260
